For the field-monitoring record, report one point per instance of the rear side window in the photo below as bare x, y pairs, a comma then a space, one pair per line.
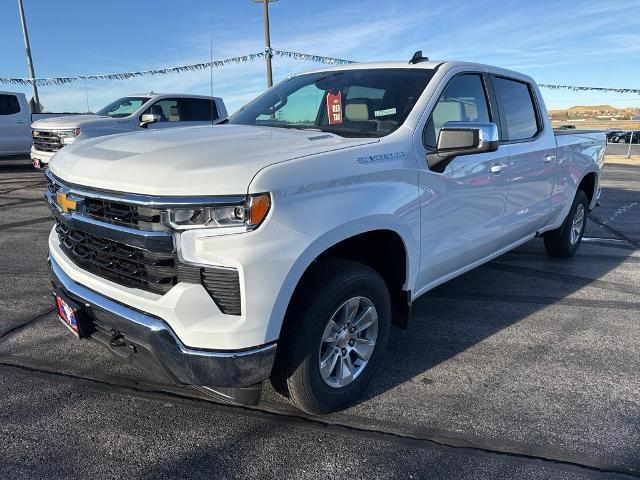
197, 110
463, 100
518, 111
9, 105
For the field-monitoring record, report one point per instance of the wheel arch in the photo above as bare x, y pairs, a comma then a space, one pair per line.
588, 184
362, 242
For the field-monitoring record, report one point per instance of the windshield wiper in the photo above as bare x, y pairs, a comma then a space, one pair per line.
311, 129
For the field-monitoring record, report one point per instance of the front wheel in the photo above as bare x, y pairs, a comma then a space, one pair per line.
564, 241
334, 336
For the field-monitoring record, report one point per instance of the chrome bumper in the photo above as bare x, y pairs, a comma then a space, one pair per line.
148, 342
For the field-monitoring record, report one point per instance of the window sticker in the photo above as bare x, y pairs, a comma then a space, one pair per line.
384, 113
334, 107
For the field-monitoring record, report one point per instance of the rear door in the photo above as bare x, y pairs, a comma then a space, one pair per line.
183, 112
532, 160
462, 205
15, 132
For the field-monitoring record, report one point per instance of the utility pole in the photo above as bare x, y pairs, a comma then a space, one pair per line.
27, 47
267, 40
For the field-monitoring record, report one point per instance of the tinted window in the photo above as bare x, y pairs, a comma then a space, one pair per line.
463, 100
518, 111
184, 110
197, 110
9, 105
350, 103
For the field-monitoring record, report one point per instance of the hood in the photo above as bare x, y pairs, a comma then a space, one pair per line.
69, 121
204, 160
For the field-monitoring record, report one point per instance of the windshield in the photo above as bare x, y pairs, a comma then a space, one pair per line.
123, 107
350, 103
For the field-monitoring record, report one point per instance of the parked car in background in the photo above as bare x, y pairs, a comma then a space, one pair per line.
285, 243
127, 114
567, 127
612, 135
15, 121
629, 136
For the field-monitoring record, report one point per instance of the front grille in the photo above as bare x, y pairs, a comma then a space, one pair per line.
154, 268
150, 271
129, 215
120, 263
46, 141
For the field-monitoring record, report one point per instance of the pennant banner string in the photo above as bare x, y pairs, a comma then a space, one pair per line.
305, 57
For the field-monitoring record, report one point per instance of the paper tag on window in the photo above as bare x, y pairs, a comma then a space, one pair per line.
334, 108
384, 113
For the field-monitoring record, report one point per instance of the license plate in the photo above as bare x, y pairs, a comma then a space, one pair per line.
68, 315
36, 163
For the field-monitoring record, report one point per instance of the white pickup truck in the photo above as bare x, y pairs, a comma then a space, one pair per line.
15, 121
284, 243
127, 114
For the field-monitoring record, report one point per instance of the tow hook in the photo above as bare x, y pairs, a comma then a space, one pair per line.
120, 346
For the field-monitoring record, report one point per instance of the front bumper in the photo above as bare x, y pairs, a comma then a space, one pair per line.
42, 157
147, 342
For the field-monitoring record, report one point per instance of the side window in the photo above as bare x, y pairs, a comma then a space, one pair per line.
163, 108
194, 110
9, 105
517, 108
463, 100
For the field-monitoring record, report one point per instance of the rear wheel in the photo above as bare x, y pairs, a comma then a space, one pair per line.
564, 241
334, 336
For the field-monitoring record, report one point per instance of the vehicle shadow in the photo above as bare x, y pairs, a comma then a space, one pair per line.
16, 164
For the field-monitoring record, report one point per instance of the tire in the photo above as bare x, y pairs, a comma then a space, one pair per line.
328, 292
564, 241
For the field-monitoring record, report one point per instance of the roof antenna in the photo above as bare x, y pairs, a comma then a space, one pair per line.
417, 58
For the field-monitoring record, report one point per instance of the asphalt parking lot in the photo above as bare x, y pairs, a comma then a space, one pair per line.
623, 149
527, 367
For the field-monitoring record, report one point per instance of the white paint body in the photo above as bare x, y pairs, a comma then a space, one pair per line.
449, 222
92, 126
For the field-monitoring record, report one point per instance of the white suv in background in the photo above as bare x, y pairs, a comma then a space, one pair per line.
127, 114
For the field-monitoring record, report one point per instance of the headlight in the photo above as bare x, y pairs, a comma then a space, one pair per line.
74, 132
247, 215
69, 136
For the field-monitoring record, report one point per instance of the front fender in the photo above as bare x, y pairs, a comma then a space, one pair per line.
329, 239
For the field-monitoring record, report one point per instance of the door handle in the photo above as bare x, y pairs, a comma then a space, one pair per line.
549, 158
20, 121
498, 168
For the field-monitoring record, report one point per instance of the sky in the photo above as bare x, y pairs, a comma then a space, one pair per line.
592, 43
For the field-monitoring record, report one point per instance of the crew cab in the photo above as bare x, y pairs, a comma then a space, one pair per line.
285, 242
15, 121
127, 114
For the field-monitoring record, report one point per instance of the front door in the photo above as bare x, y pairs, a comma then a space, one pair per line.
15, 131
462, 206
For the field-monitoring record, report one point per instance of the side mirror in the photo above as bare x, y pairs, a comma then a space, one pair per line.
149, 118
463, 138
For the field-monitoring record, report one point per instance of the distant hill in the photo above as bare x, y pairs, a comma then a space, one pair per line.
590, 111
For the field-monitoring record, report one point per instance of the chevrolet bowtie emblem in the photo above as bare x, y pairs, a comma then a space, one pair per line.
65, 204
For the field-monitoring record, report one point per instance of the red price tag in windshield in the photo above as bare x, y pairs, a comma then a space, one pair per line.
334, 108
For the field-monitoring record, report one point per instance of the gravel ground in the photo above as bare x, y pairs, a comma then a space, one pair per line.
524, 368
